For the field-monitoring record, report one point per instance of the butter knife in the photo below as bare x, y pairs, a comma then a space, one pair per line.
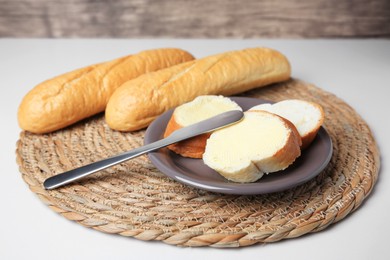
208, 125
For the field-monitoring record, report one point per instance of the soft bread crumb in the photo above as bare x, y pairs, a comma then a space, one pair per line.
261, 143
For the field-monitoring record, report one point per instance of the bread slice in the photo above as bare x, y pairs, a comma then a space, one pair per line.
261, 143
199, 109
306, 116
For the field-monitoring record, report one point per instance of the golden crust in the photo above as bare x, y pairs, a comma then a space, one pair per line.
73, 96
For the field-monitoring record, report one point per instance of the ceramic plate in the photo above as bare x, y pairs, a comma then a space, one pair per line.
195, 173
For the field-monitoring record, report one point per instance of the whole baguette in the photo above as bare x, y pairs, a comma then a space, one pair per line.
73, 96
138, 102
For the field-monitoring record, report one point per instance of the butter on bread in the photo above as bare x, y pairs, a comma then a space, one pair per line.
138, 102
306, 116
201, 108
73, 96
261, 143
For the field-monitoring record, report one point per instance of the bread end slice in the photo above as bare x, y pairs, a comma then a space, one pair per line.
201, 108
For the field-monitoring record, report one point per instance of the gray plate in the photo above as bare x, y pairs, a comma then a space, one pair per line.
195, 173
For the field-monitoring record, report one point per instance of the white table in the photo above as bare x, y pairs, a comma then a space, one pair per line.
357, 71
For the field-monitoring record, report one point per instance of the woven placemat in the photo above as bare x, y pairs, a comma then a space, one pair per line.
134, 199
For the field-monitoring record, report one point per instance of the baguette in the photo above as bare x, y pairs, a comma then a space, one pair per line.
138, 102
73, 96
260, 143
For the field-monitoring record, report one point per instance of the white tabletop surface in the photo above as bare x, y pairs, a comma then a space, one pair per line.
358, 71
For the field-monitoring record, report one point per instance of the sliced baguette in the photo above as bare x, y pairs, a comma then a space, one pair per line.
199, 109
261, 143
306, 116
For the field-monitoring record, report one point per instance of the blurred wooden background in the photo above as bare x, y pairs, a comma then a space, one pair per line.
194, 18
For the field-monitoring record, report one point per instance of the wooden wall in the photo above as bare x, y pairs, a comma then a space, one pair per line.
194, 19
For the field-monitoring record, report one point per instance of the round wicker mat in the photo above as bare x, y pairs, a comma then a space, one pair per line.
134, 199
